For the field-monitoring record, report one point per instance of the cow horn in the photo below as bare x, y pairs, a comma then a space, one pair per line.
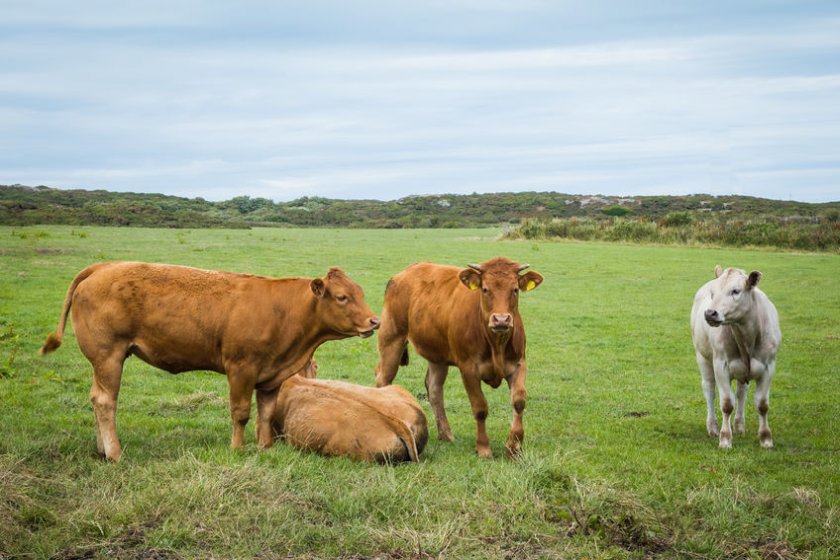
522, 267
476, 267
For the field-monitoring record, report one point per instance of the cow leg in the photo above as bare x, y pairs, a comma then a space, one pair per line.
740, 397
479, 409
104, 391
241, 391
762, 405
100, 445
707, 380
391, 347
266, 403
435, 378
516, 383
727, 401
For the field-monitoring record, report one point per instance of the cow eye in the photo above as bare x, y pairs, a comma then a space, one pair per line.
341, 299
735, 292
516, 291
485, 290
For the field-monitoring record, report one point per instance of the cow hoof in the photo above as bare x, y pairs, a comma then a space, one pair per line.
485, 453
739, 427
446, 436
513, 454
766, 440
712, 428
725, 443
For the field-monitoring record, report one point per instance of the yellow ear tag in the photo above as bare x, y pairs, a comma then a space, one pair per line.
530, 286
473, 286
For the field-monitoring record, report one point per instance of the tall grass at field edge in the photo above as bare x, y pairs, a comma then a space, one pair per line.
821, 235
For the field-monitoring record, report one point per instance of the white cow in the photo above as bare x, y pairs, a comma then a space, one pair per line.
736, 336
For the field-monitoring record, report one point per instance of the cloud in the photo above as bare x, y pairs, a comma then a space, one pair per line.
195, 108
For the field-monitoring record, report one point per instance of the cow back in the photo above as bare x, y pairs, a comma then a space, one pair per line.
342, 419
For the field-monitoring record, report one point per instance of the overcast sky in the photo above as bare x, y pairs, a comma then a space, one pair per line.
384, 99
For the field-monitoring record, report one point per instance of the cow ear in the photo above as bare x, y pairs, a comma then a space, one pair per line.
318, 287
470, 278
753, 279
530, 280
718, 271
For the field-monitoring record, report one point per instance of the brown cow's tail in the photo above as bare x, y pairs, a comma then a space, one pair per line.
405, 434
54, 339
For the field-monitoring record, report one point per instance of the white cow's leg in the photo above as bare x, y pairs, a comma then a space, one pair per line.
707, 379
762, 405
727, 401
741, 397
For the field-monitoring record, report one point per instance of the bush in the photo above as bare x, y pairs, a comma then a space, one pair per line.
677, 219
616, 211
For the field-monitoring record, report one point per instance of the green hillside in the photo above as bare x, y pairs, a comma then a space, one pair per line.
21, 205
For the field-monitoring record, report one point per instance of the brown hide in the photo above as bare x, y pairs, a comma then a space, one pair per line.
342, 419
467, 318
256, 330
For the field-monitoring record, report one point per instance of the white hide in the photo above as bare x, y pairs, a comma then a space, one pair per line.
736, 335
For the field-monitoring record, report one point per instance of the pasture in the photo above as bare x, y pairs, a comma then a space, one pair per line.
616, 462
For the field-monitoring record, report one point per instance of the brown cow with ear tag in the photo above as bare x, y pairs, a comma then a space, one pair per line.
463, 317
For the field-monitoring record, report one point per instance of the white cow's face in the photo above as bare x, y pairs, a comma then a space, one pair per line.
731, 296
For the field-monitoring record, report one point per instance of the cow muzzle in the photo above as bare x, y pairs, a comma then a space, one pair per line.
374, 324
713, 318
501, 322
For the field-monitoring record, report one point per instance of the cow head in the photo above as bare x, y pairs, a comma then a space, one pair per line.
341, 305
499, 282
731, 296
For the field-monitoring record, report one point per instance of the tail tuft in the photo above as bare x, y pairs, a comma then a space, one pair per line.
52, 343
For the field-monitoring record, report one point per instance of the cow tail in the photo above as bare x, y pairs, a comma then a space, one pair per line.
405, 434
54, 339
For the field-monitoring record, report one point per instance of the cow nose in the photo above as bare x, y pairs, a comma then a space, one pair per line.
501, 320
711, 315
375, 322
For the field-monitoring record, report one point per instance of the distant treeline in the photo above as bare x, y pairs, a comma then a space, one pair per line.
21, 205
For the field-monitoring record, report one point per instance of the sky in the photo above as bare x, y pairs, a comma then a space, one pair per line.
385, 99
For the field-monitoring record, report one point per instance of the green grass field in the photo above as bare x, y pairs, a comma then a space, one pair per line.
617, 463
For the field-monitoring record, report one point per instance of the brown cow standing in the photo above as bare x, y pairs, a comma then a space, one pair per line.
256, 330
467, 318
375, 424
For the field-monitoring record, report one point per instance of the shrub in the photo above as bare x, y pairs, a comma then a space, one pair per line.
616, 211
677, 219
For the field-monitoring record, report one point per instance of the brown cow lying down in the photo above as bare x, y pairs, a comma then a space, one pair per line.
256, 330
336, 418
